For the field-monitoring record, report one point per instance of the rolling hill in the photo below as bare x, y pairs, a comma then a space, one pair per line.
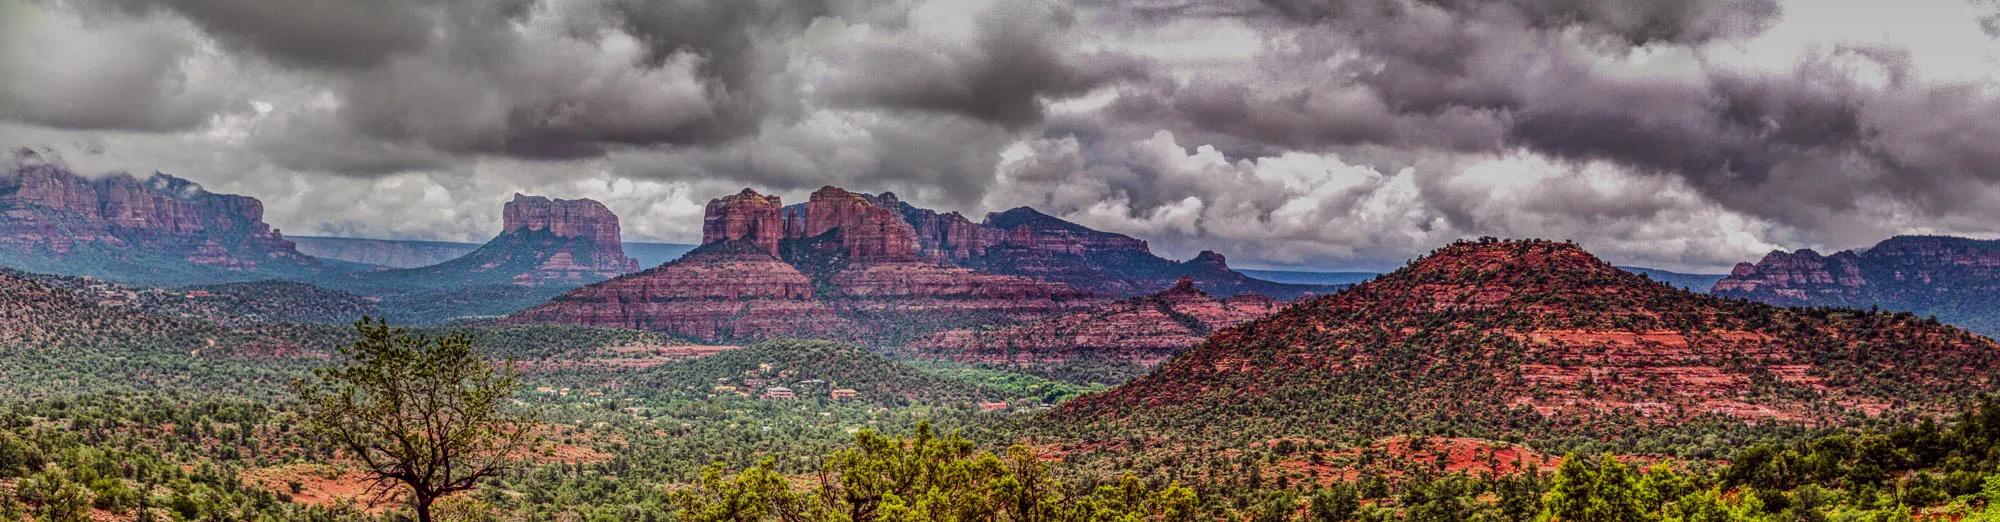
1533, 338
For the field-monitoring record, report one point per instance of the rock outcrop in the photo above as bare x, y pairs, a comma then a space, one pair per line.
1949, 277
1139, 331
729, 289
868, 232
746, 216
46, 209
583, 219
542, 242
857, 262
566, 218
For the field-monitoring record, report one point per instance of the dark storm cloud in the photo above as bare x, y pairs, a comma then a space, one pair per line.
351, 34
103, 71
1635, 21
1005, 74
559, 83
1557, 77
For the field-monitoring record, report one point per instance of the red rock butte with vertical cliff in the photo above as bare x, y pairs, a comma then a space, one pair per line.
45, 207
571, 219
840, 265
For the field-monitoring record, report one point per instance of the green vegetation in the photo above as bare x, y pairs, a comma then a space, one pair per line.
420, 411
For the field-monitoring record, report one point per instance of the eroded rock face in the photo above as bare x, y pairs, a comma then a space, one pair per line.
847, 267
49, 208
1143, 330
566, 218
571, 219
1952, 278
730, 289
745, 216
868, 232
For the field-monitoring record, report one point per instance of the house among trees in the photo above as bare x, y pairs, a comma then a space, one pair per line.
780, 393
843, 394
992, 406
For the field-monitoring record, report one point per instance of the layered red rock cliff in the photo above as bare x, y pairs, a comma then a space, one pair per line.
543, 242
746, 216
571, 219
858, 259
868, 232
45, 207
1142, 331
729, 289
1952, 278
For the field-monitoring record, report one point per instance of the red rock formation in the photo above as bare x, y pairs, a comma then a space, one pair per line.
901, 295
571, 218
1952, 278
1027, 228
1494, 329
862, 255
47, 207
868, 232
1143, 330
543, 242
725, 290
746, 216
1793, 276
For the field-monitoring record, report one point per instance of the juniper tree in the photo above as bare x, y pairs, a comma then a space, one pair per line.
419, 411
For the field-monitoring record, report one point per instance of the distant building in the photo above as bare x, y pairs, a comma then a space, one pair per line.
753, 383
843, 394
200, 293
780, 393
992, 406
725, 389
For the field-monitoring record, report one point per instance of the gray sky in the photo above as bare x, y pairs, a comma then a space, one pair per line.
1681, 134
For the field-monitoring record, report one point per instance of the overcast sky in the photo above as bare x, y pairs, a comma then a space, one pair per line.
1682, 134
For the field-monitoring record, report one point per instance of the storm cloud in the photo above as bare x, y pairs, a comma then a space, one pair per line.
1335, 133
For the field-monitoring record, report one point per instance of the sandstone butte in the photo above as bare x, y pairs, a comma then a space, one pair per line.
838, 266
1498, 335
46, 208
1141, 330
542, 241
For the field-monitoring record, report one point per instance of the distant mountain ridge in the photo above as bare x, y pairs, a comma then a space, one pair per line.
390, 253
414, 253
1700, 283
1953, 278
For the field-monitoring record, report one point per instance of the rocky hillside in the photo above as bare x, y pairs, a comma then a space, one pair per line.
1952, 278
156, 229
837, 266
1140, 331
55, 342
233, 305
1493, 338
